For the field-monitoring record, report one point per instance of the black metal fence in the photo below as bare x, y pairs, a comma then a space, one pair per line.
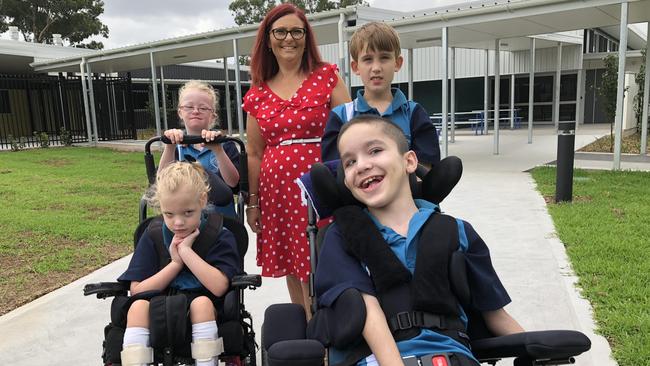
32, 106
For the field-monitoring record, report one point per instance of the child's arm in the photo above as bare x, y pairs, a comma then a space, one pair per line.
501, 323
329, 150
176, 136
162, 278
227, 169
210, 277
377, 334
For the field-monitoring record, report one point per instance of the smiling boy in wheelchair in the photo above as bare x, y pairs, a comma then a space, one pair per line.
396, 253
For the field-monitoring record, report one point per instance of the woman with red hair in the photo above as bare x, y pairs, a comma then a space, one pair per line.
290, 98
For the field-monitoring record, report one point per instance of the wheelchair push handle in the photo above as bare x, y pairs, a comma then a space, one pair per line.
195, 139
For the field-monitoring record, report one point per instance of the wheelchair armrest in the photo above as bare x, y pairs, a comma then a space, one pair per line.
549, 347
106, 289
251, 281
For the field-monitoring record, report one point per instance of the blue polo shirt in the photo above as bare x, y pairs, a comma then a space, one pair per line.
409, 116
338, 271
208, 160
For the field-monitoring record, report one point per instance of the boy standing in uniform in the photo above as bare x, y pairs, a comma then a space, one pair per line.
376, 163
375, 51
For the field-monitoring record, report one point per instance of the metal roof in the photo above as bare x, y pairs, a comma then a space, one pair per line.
478, 24
474, 24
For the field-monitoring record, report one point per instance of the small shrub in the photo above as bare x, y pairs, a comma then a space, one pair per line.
43, 139
65, 136
17, 144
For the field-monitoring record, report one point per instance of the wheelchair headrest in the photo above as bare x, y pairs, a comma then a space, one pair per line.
326, 190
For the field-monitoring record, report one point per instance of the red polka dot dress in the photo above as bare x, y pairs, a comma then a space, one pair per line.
282, 246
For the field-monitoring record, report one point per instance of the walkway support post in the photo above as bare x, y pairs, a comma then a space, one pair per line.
93, 112
512, 101
154, 85
164, 98
445, 78
452, 109
556, 87
618, 121
409, 69
226, 80
531, 90
497, 85
84, 89
486, 92
646, 95
240, 112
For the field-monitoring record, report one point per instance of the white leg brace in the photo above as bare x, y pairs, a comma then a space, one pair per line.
205, 345
135, 350
136, 355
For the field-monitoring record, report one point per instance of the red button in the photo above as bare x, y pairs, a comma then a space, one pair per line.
439, 361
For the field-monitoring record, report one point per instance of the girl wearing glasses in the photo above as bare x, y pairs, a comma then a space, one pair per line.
290, 98
197, 103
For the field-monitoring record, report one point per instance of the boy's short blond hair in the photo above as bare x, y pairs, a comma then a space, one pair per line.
374, 36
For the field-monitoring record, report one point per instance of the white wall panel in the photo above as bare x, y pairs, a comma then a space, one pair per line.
471, 62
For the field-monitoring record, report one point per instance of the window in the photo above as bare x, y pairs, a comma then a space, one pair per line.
5, 106
543, 88
568, 86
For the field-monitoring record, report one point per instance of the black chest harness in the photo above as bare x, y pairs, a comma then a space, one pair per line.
430, 297
202, 244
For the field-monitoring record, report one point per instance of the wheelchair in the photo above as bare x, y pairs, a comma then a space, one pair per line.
289, 340
170, 337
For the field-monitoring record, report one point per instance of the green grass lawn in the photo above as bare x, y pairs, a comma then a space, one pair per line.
64, 213
606, 232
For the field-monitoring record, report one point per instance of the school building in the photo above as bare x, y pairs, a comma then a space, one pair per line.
546, 54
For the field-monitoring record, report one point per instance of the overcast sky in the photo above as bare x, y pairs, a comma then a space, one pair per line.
131, 22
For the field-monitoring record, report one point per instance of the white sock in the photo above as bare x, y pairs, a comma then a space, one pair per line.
205, 330
136, 335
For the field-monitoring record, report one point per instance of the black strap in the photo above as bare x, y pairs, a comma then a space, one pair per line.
438, 240
364, 241
420, 319
201, 246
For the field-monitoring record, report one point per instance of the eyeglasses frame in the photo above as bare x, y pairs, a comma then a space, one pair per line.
304, 32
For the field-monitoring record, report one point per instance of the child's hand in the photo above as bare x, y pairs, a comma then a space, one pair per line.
173, 253
209, 136
187, 241
175, 135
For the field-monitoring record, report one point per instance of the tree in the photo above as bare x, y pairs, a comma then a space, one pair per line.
607, 90
253, 11
74, 20
639, 78
250, 11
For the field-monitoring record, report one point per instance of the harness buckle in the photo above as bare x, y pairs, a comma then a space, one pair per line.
404, 320
436, 360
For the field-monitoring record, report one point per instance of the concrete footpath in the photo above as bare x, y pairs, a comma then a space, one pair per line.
495, 195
